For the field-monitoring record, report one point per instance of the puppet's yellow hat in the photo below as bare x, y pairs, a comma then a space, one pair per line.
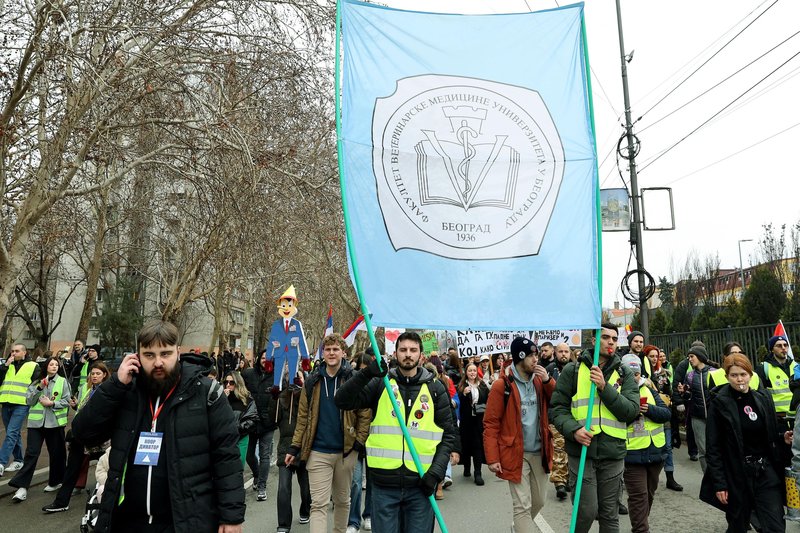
290, 294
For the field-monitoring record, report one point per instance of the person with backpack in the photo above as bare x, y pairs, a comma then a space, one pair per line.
516, 432
400, 491
616, 404
174, 463
328, 439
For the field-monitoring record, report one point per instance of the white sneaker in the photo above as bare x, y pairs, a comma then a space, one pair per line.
2, 469
51, 488
351, 529
15, 466
20, 496
368, 524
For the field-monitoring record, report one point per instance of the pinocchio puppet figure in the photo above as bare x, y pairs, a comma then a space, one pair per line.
287, 343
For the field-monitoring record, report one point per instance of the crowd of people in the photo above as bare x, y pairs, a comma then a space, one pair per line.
523, 414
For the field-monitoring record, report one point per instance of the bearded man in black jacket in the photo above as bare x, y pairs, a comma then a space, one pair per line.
174, 462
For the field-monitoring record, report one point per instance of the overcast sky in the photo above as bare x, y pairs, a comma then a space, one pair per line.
730, 200
716, 203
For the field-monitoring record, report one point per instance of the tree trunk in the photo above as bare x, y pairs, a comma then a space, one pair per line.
93, 273
248, 309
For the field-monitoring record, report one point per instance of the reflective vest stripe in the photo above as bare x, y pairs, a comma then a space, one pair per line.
603, 420
16, 383
396, 454
415, 433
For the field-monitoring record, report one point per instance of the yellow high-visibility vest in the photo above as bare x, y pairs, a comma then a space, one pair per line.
781, 395
36, 413
16, 383
603, 420
386, 448
718, 378
640, 438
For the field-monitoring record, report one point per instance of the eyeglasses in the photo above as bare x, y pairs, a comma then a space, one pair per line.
229, 382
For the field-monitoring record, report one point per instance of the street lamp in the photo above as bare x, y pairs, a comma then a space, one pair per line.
741, 266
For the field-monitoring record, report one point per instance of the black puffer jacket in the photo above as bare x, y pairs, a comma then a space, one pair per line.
697, 392
200, 447
362, 392
259, 384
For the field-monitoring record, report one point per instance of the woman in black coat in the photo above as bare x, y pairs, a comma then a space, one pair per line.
472, 395
744, 452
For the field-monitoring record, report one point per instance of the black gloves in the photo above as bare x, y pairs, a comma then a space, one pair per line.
360, 450
428, 484
374, 371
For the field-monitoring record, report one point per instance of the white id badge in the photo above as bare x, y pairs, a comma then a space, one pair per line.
148, 448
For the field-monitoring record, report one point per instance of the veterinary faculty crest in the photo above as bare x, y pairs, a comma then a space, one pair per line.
466, 168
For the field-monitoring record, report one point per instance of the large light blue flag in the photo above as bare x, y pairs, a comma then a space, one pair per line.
470, 168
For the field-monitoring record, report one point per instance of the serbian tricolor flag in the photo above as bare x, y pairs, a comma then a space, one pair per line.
350, 334
780, 330
328, 330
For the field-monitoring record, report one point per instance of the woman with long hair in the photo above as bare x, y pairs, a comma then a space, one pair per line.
473, 394
661, 382
244, 410
79, 455
49, 401
744, 450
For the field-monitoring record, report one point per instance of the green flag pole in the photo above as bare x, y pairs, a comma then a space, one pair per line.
599, 223
354, 265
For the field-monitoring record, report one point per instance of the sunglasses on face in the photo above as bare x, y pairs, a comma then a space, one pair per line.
229, 382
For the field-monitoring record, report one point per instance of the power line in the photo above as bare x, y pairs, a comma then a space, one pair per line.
663, 153
733, 154
718, 39
720, 82
704, 63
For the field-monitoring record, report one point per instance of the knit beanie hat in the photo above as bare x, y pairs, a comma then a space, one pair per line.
776, 338
700, 353
632, 362
522, 348
633, 334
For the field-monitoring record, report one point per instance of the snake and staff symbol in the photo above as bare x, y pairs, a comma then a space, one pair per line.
463, 133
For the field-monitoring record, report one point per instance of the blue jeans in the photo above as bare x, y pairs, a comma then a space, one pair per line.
264, 454
669, 466
389, 504
13, 418
355, 497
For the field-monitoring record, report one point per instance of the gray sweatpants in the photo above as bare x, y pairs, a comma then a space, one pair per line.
699, 427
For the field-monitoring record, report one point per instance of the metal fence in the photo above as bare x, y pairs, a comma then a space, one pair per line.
751, 338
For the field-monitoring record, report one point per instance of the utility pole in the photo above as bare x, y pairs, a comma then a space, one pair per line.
636, 228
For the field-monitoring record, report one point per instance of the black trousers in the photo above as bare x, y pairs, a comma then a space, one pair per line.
75, 461
56, 449
285, 495
250, 457
765, 500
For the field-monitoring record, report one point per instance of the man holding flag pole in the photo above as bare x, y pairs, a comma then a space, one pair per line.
603, 441
463, 163
399, 494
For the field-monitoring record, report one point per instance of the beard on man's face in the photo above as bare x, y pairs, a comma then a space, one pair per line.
158, 386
